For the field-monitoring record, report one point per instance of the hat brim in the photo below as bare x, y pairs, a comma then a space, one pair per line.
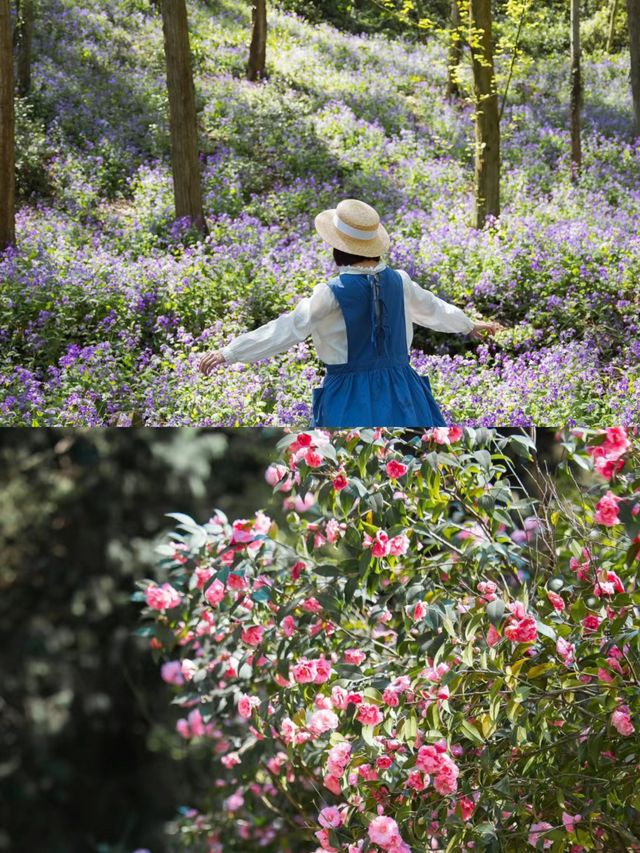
372, 248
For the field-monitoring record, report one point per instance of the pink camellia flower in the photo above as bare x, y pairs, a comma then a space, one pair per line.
188, 669
333, 784
323, 837
196, 723
570, 821
235, 581
396, 469
429, 758
608, 584
488, 590
557, 602
385, 832
521, 630
339, 697
535, 830
303, 504
252, 635
234, 802
323, 670
566, 650
203, 574
607, 510
215, 593
384, 762
288, 626
467, 807
605, 465
322, 721
313, 459
416, 780
330, 818
621, 720
354, 656
246, 704
591, 622
231, 759
493, 637
580, 568
171, 672
340, 482
390, 698
182, 727
304, 672
162, 597
379, 543
369, 715
399, 545
419, 611
276, 475
339, 756
617, 441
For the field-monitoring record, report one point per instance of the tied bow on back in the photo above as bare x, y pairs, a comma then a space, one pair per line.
378, 326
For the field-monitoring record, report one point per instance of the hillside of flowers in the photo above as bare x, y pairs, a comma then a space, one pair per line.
107, 304
426, 655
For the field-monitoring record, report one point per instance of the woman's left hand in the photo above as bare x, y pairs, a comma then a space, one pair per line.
210, 361
485, 327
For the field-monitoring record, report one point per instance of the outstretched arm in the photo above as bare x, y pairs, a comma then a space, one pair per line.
427, 309
276, 336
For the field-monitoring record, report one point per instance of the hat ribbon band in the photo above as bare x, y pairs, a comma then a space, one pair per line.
357, 233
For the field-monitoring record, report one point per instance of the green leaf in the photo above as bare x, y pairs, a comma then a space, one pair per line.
471, 732
495, 611
368, 735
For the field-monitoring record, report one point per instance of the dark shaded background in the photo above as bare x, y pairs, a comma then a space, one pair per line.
86, 725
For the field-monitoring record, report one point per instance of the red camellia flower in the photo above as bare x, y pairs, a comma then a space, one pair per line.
396, 469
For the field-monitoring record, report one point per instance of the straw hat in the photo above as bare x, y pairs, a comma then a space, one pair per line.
353, 227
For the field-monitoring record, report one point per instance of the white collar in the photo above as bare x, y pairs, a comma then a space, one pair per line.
363, 270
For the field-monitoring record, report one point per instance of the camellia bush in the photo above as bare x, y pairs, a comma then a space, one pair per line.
425, 656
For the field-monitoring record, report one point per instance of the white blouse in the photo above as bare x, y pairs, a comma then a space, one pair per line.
320, 316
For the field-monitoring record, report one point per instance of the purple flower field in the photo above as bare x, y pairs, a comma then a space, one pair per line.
106, 304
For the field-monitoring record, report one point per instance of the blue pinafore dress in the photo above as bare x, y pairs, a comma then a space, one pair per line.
376, 387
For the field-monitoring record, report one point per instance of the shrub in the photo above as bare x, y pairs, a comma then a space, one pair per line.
423, 656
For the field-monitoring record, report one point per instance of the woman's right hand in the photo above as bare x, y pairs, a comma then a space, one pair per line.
210, 361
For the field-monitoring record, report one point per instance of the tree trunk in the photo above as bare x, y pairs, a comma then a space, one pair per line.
25, 38
258, 49
633, 8
576, 92
7, 131
612, 25
487, 118
182, 114
455, 50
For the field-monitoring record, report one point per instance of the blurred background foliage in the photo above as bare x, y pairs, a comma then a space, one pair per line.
89, 758
85, 725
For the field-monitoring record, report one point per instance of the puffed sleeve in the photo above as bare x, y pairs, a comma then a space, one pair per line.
427, 309
286, 330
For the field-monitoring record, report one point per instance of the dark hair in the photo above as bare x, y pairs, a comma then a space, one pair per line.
344, 259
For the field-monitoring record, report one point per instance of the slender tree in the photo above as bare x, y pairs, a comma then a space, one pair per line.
25, 19
455, 50
258, 49
612, 25
487, 117
633, 9
576, 92
182, 114
7, 130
